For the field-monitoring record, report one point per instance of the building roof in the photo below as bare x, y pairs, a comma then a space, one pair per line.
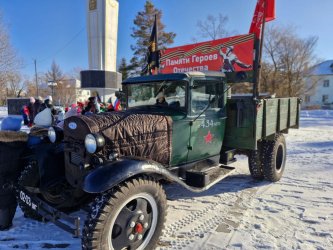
324, 68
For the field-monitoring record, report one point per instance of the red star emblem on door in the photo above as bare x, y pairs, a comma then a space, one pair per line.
208, 137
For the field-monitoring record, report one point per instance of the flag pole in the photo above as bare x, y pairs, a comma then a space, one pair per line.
258, 57
158, 58
261, 47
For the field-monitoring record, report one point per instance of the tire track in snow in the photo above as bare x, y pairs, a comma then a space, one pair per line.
223, 215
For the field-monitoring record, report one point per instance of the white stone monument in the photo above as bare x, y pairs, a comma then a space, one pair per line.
102, 30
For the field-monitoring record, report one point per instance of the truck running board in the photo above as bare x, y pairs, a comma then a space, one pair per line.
207, 177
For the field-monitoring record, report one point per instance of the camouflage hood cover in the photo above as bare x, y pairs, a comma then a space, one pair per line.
126, 133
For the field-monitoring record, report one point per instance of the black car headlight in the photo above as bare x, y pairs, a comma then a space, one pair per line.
55, 134
94, 143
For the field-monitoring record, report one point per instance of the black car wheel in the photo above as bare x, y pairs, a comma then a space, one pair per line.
130, 217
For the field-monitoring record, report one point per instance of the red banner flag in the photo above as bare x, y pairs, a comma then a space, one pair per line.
260, 13
231, 54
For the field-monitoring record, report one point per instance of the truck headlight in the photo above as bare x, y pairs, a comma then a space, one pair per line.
94, 143
55, 134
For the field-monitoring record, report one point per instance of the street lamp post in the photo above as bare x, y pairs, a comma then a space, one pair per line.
52, 84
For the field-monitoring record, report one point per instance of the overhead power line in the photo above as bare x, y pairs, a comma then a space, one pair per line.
60, 49
66, 45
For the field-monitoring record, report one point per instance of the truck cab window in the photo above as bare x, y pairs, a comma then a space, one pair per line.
206, 93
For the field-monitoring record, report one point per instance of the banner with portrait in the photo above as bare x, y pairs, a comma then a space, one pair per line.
232, 54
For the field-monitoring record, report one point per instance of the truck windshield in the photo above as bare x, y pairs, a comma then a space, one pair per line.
166, 93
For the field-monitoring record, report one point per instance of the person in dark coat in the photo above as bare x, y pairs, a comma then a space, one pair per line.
31, 111
36, 107
92, 106
48, 104
160, 99
12, 145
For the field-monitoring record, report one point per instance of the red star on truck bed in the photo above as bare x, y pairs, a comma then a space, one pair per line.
208, 138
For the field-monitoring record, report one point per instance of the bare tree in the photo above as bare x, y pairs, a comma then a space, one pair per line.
30, 86
287, 59
54, 78
9, 61
54, 74
75, 73
66, 92
213, 27
16, 87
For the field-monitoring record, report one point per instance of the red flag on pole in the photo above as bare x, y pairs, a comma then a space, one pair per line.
270, 10
260, 13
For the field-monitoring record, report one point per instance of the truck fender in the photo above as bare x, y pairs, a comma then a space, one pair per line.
111, 174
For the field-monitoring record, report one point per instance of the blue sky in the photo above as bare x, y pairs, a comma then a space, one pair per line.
49, 30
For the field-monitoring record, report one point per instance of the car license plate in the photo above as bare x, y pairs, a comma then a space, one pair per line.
28, 201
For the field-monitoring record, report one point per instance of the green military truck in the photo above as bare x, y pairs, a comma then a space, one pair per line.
183, 128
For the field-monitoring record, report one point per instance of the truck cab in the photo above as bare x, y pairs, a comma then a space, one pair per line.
196, 103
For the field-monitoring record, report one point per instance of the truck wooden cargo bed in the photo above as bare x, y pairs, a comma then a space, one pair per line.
249, 120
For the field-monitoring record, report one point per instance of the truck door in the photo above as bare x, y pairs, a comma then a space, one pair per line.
208, 119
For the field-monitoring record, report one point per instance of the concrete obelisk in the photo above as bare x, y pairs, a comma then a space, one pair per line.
102, 31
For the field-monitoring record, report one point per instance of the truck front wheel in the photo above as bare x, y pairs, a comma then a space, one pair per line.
130, 217
275, 158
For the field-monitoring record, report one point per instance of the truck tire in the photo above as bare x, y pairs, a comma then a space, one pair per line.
29, 177
255, 159
130, 216
275, 158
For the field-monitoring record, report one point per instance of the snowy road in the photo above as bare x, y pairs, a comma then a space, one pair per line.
237, 213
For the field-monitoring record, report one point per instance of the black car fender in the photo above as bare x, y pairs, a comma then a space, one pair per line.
112, 173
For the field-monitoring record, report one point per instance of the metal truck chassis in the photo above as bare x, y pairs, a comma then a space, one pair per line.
64, 221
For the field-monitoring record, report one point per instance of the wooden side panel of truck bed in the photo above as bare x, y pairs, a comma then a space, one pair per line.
250, 121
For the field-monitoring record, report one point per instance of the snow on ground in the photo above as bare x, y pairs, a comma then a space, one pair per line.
3, 112
238, 212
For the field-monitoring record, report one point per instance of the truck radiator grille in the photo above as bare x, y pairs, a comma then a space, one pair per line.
75, 159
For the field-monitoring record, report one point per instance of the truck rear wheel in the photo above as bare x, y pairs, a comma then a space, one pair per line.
275, 158
255, 159
130, 217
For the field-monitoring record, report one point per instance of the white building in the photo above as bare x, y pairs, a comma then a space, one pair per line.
322, 93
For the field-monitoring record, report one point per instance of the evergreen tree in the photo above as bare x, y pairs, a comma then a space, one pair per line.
144, 22
123, 68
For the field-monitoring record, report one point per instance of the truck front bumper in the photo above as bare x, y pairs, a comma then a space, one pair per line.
66, 222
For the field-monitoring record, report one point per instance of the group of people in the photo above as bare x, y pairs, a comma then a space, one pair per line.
43, 113
36, 106
95, 105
